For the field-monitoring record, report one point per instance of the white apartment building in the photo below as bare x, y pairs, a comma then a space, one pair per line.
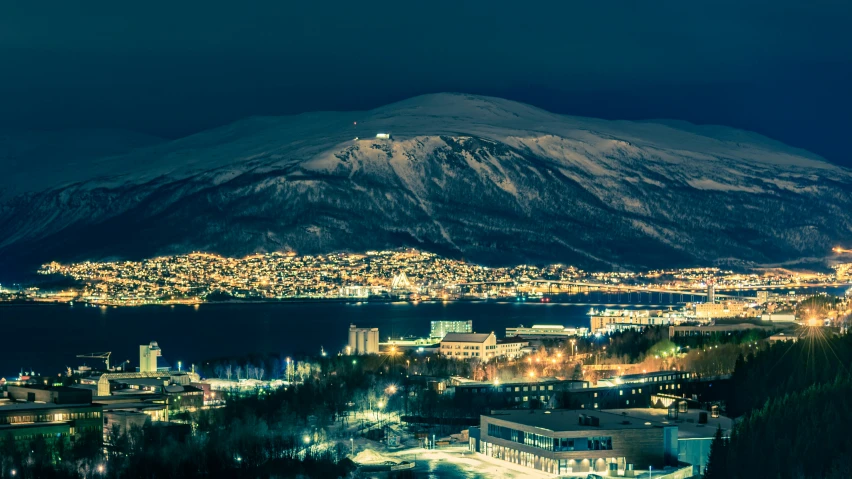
469, 346
480, 346
511, 347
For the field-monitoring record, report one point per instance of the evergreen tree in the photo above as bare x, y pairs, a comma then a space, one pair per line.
717, 466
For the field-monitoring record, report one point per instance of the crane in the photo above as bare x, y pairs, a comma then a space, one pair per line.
104, 356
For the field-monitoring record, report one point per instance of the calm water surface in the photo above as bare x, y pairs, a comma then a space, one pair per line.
47, 338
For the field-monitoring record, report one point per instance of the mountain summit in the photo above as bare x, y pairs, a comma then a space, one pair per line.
483, 178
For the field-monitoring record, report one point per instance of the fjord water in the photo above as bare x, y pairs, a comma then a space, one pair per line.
47, 338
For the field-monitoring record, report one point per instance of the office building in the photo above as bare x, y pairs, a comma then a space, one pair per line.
779, 318
695, 430
629, 391
710, 330
439, 329
363, 340
474, 396
65, 412
610, 320
571, 442
543, 331
724, 309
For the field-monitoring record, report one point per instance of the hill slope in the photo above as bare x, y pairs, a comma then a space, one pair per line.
484, 178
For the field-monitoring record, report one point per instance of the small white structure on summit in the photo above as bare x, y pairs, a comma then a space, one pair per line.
384, 136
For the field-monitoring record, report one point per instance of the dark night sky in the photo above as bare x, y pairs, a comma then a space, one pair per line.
782, 68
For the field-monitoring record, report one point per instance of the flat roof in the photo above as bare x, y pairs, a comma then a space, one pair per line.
561, 420
132, 406
522, 381
28, 406
721, 327
687, 422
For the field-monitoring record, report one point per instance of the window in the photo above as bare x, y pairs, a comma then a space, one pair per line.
620, 392
526, 398
632, 391
550, 388
596, 405
596, 394
526, 388
600, 443
640, 390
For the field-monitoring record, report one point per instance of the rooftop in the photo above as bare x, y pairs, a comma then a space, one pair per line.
30, 406
521, 381
556, 420
465, 338
687, 422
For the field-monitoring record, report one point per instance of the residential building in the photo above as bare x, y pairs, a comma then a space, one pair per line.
569, 441
439, 329
843, 271
511, 347
469, 346
363, 340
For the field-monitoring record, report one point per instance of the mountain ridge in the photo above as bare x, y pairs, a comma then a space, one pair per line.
484, 178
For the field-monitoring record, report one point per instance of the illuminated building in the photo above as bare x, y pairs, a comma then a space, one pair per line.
363, 340
439, 329
148, 354
65, 412
469, 346
569, 441
546, 331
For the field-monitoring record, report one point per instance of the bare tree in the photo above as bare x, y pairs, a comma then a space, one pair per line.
260, 374
219, 370
229, 371
239, 371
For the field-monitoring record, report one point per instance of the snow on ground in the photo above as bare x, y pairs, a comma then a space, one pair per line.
598, 147
459, 462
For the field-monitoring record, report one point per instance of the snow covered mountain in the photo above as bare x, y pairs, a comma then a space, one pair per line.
482, 178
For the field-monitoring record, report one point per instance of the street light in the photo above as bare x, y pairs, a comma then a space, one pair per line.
101, 467
307, 439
